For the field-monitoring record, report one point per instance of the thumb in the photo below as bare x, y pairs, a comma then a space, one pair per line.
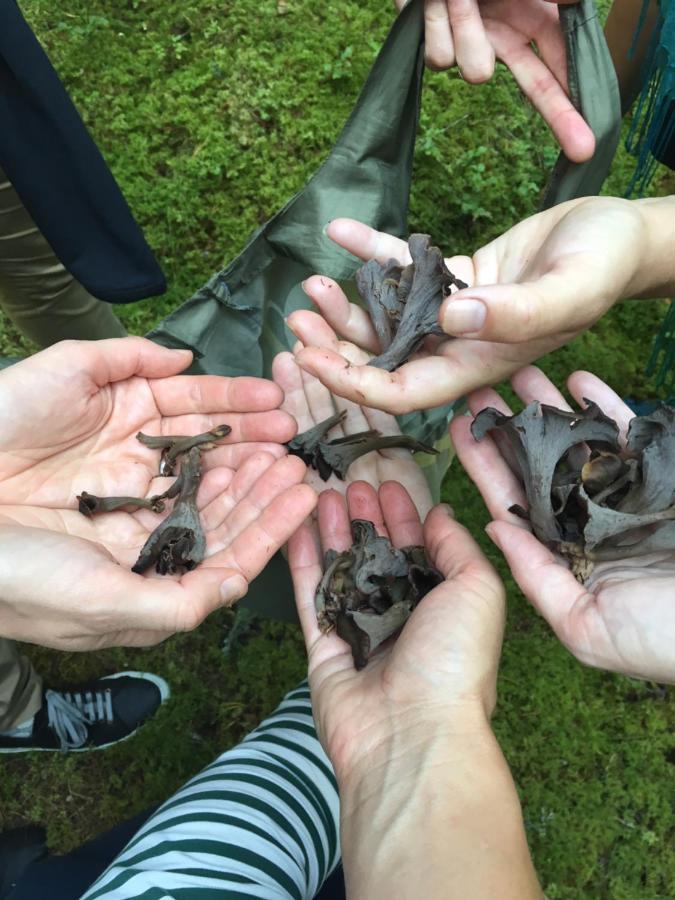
117, 359
557, 303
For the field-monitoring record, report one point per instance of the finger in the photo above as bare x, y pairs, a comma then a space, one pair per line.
288, 375
214, 394
117, 359
488, 397
219, 507
315, 331
304, 559
550, 587
401, 518
532, 385
454, 552
363, 503
355, 420
235, 455
585, 385
211, 485
439, 50
366, 243
319, 400
333, 517
462, 267
475, 56
416, 385
547, 96
552, 49
312, 329
557, 304
256, 544
349, 320
385, 424
280, 476
486, 467
274, 425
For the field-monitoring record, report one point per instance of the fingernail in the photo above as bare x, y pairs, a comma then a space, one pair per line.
447, 509
324, 230
464, 316
233, 588
303, 285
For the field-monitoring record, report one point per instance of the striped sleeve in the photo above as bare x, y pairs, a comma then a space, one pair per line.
261, 821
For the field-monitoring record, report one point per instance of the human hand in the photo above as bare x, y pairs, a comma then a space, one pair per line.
472, 33
309, 402
623, 618
536, 287
70, 415
440, 674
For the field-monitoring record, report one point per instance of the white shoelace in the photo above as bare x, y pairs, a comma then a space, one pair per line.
70, 714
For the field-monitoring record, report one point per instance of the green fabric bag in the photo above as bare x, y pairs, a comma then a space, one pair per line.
594, 91
235, 323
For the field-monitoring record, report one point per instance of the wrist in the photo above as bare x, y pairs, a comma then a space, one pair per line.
655, 270
436, 815
405, 749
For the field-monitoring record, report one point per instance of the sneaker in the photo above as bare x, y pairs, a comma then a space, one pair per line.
91, 716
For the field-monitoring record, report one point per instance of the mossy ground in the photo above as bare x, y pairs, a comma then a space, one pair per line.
211, 114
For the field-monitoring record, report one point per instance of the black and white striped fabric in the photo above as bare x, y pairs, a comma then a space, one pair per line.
261, 821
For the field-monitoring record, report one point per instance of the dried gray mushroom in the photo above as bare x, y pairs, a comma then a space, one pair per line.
368, 592
178, 543
404, 301
89, 504
305, 444
612, 505
173, 446
336, 456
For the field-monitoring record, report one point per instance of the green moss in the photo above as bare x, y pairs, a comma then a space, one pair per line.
211, 114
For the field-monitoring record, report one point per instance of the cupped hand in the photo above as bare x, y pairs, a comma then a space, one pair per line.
70, 417
309, 402
472, 33
531, 290
442, 668
623, 618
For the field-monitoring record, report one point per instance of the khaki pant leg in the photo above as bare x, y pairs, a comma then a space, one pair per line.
43, 300
20, 687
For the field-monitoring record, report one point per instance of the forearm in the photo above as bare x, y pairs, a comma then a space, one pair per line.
655, 273
436, 818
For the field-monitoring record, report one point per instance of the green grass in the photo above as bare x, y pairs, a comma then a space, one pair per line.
211, 114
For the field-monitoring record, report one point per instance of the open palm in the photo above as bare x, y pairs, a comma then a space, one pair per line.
447, 655
622, 618
72, 415
309, 402
539, 285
